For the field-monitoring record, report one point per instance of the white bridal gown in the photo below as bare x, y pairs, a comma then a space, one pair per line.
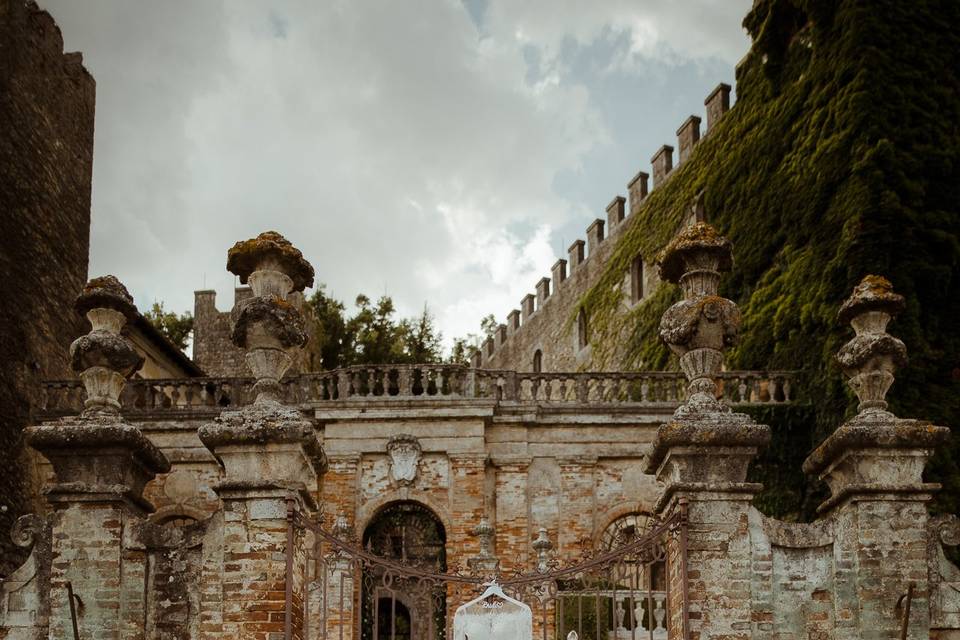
493, 616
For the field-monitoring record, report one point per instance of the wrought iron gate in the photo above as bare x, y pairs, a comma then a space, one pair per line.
633, 591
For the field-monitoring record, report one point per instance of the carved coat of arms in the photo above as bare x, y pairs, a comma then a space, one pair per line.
404, 451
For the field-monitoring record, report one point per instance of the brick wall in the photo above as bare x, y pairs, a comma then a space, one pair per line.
46, 156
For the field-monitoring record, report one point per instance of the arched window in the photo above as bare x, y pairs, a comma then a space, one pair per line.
537, 361
636, 279
583, 331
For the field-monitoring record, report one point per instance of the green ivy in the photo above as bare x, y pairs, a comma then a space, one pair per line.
841, 158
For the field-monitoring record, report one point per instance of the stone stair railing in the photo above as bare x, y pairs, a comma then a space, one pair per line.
429, 382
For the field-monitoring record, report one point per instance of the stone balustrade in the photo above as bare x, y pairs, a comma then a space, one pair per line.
428, 382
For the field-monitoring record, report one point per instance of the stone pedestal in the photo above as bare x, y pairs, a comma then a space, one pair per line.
702, 455
703, 462
873, 466
271, 461
101, 466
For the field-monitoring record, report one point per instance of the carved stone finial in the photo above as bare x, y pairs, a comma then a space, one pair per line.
703, 324
264, 259
97, 453
706, 444
875, 452
542, 546
103, 358
486, 561
871, 357
267, 445
268, 326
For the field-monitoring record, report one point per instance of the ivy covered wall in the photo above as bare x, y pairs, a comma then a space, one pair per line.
840, 158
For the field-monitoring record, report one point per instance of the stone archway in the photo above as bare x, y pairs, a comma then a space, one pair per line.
409, 534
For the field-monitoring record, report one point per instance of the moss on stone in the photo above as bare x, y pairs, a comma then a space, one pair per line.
841, 158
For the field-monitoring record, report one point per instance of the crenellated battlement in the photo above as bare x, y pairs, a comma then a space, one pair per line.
528, 330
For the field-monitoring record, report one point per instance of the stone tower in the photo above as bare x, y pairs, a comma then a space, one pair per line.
46, 162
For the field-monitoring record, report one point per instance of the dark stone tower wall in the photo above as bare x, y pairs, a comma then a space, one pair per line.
46, 161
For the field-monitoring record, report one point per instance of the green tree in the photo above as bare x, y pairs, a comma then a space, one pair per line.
488, 325
177, 328
464, 349
421, 340
332, 340
373, 335
378, 336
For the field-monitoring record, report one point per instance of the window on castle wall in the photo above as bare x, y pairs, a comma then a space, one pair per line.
537, 361
583, 331
636, 280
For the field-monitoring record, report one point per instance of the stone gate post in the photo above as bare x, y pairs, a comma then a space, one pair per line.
101, 465
702, 454
873, 465
270, 455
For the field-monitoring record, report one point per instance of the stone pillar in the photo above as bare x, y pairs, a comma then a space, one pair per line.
688, 135
873, 465
577, 501
340, 486
559, 273
543, 291
269, 453
338, 593
717, 103
101, 465
615, 212
527, 306
638, 189
662, 162
513, 523
468, 490
576, 255
513, 321
594, 236
702, 454
500, 335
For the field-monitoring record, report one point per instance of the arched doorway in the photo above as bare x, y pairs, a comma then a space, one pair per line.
408, 534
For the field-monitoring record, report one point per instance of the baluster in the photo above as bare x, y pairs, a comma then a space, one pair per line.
659, 614
406, 381
456, 382
772, 387
742, 389
785, 387
470, 383
343, 385
514, 386
433, 380
755, 395
580, 386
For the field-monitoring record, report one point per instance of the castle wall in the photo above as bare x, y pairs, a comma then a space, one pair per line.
46, 159
548, 322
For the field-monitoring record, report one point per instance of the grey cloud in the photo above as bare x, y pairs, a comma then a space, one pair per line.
393, 143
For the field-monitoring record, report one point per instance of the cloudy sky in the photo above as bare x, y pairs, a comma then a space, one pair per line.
440, 151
